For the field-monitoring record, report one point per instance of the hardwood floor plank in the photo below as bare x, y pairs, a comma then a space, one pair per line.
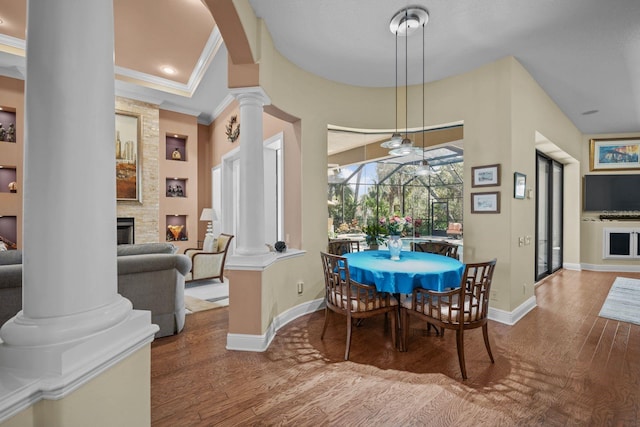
560, 365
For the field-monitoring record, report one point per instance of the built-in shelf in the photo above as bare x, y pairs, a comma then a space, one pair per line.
621, 243
7, 125
176, 148
177, 228
9, 231
8, 178
176, 187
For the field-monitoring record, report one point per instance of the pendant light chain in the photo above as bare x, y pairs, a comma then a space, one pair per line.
423, 76
406, 76
396, 70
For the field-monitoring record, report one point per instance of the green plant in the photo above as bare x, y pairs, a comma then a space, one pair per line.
375, 232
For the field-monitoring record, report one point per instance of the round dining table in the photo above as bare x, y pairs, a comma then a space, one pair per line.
412, 270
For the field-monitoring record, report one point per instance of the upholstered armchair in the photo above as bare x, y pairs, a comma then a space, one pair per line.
209, 264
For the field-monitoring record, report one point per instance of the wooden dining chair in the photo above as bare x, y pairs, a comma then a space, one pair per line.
435, 247
342, 246
353, 299
465, 307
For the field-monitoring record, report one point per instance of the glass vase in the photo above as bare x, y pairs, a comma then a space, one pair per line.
395, 246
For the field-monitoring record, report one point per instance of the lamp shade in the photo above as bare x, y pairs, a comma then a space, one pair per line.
208, 214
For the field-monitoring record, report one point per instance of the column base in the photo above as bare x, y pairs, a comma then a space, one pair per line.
22, 331
29, 374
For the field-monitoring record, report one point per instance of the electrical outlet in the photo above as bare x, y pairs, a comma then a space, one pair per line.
520, 241
300, 287
527, 240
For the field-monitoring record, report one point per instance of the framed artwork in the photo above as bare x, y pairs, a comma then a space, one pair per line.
485, 176
614, 154
519, 185
485, 202
127, 160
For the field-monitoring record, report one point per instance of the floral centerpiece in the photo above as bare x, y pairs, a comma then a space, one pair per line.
397, 225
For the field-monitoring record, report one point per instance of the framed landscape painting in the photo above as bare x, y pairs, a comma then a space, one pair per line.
127, 165
614, 154
485, 176
485, 202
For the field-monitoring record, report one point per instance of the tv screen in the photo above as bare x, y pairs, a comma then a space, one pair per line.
612, 193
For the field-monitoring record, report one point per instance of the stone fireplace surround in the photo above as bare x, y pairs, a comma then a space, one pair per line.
144, 212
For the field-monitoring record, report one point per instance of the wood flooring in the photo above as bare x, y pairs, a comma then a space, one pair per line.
560, 365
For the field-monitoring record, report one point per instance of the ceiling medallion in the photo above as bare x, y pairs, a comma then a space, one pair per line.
233, 132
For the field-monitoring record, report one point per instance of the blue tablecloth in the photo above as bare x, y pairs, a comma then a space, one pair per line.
413, 270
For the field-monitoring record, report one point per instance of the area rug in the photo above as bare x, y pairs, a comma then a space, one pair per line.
193, 304
206, 295
623, 301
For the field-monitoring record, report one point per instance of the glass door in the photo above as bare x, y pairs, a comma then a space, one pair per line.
549, 184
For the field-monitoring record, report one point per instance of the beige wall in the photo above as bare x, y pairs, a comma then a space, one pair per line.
501, 107
591, 226
121, 396
185, 126
205, 154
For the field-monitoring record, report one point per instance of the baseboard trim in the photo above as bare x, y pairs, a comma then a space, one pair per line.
260, 343
571, 266
611, 268
512, 317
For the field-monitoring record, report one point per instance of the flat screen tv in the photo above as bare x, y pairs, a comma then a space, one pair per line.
612, 192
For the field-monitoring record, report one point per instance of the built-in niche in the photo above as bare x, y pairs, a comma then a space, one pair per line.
177, 228
8, 180
176, 187
176, 147
7, 125
8, 232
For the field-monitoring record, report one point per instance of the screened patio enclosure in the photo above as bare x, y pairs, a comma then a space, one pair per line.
361, 194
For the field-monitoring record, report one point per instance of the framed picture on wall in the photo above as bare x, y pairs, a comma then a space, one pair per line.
519, 185
485, 202
127, 159
614, 154
485, 176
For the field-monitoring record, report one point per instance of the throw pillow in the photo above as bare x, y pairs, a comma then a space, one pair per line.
210, 244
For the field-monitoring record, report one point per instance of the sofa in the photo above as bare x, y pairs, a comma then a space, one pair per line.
150, 275
10, 284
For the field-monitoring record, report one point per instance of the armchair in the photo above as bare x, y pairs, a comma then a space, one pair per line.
209, 265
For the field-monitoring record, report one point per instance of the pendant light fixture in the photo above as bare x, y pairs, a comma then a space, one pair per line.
423, 168
403, 24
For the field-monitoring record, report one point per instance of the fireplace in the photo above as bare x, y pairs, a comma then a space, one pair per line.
125, 231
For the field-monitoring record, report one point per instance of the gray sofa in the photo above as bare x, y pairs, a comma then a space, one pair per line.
150, 275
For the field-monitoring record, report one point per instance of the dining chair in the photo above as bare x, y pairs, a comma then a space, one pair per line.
465, 307
435, 247
353, 299
343, 246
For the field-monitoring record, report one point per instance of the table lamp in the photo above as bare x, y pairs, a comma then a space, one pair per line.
208, 214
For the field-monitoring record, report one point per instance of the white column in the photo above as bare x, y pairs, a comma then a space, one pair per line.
251, 228
69, 254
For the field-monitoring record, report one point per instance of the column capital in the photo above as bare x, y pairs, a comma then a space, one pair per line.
255, 94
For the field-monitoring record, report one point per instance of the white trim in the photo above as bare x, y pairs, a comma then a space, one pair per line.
611, 268
228, 99
211, 47
260, 343
572, 266
512, 317
260, 262
77, 363
13, 42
